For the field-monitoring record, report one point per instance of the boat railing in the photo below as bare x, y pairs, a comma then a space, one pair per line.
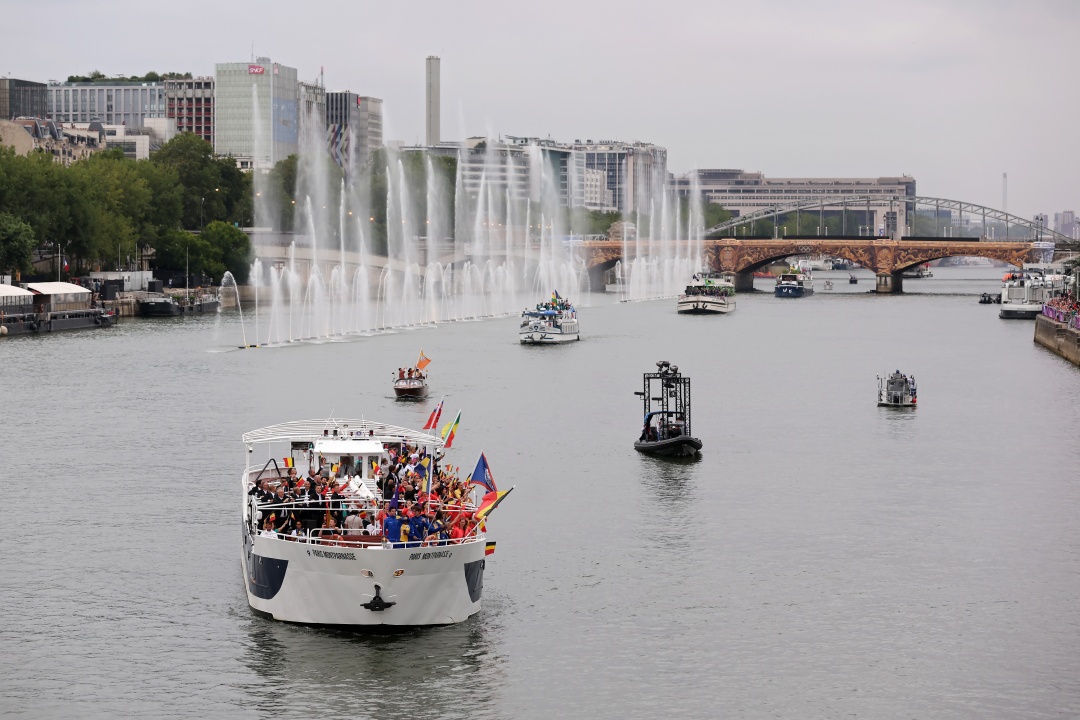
369, 542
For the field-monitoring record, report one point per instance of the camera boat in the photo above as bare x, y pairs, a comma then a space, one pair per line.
666, 428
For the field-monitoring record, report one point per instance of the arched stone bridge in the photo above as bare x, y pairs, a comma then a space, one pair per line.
887, 258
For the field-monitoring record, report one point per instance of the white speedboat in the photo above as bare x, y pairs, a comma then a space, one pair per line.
356, 578
897, 390
551, 322
708, 294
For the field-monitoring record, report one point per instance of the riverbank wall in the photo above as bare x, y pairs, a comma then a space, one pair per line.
1060, 336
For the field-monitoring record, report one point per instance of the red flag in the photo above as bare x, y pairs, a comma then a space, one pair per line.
433, 419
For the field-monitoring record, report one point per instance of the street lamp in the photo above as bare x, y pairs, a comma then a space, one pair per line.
202, 203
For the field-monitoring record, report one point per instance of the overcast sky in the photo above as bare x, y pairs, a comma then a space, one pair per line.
953, 93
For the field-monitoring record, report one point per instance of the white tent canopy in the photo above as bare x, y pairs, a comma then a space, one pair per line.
57, 288
12, 291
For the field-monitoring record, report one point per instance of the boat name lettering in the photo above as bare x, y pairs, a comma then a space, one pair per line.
431, 555
332, 555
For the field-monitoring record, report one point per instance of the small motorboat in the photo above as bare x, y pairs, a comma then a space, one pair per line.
897, 390
989, 299
411, 382
828, 284
666, 428
852, 280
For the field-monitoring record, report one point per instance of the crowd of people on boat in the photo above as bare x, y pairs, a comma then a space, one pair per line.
411, 373
408, 513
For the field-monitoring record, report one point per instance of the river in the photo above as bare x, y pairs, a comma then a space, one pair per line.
823, 558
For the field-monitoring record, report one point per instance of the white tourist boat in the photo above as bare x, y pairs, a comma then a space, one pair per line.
1023, 294
551, 322
349, 579
708, 294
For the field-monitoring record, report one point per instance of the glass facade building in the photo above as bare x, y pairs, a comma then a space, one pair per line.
256, 112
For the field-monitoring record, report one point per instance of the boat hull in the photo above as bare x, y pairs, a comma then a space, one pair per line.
901, 404
704, 306
158, 308
407, 389
546, 337
789, 291
329, 584
199, 308
1020, 312
681, 446
71, 320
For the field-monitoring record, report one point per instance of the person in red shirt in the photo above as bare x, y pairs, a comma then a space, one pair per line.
458, 531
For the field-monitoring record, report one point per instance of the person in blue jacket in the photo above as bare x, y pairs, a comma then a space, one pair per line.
392, 526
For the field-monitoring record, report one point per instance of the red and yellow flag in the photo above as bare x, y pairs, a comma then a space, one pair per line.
423, 361
288, 462
490, 502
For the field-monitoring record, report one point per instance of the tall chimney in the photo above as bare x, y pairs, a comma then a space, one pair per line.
433, 101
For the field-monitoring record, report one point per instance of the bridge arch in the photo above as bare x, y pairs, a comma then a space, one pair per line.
904, 202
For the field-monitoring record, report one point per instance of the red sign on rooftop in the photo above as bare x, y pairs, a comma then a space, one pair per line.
256, 70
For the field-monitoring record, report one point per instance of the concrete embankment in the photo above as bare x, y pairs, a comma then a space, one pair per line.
1058, 337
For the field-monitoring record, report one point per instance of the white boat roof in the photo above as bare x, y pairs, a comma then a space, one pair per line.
56, 288
12, 291
349, 446
312, 430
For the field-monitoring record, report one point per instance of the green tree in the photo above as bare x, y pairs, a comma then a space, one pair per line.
281, 187
199, 173
230, 250
16, 244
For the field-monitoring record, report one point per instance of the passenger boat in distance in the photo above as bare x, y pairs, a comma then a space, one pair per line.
551, 322
794, 285
173, 306
349, 573
897, 390
666, 428
852, 280
411, 382
43, 307
708, 294
1023, 294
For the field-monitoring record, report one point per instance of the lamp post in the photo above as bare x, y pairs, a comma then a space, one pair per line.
202, 203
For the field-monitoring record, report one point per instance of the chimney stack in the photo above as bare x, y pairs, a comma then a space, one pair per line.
433, 101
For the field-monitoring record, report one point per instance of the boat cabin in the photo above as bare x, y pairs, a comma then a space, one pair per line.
15, 301
59, 296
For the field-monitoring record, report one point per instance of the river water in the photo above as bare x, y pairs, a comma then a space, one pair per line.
823, 558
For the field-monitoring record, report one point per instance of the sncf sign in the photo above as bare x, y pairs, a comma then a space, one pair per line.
256, 70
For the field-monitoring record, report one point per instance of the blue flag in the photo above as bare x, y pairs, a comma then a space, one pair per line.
481, 475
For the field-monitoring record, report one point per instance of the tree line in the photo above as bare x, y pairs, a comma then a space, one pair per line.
103, 211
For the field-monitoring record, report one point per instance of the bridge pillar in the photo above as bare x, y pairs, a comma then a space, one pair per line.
744, 281
890, 283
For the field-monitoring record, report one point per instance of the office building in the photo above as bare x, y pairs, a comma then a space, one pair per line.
190, 101
313, 104
1065, 223
353, 125
635, 173
256, 112
23, 98
111, 102
743, 192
